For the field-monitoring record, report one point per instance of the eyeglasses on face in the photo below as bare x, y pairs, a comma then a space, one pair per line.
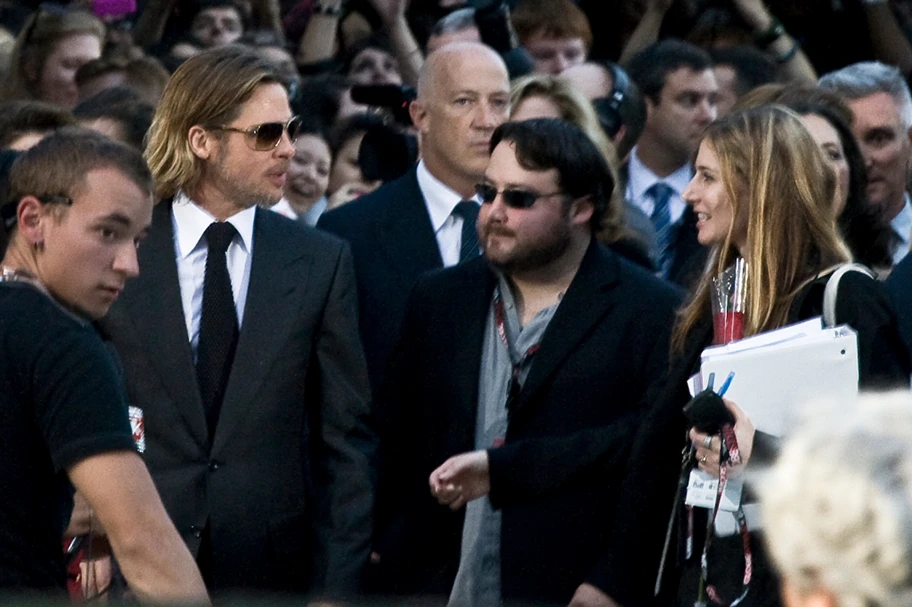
267, 136
512, 197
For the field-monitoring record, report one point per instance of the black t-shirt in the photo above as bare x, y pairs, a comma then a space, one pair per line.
61, 401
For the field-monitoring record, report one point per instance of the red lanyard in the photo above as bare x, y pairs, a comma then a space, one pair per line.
516, 366
731, 456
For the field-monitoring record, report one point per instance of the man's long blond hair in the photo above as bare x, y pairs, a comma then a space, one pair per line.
208, 90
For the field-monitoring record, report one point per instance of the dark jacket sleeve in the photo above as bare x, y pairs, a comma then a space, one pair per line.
628, 568
863, 304
346, 438
525, 469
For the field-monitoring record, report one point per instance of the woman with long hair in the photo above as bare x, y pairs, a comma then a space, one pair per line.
829, 120
763, 192
54, 43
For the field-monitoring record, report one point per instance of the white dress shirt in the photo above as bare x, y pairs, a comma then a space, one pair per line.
190, 221
902, 229
311, 217
640, 179
440, 201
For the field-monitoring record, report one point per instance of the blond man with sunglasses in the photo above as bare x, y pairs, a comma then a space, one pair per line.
240, 344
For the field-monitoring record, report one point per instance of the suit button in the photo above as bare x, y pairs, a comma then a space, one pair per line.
214, 465
196, 531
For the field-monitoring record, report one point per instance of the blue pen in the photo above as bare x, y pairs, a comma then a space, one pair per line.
726, 384
710, 381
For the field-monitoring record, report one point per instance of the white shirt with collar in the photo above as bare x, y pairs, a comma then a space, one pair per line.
440, 201
902, 229
190, 221
641, 178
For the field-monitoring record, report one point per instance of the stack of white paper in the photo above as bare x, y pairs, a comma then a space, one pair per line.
779, 371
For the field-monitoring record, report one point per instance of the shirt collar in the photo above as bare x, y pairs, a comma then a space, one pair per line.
641, 177
439, 198
191, 221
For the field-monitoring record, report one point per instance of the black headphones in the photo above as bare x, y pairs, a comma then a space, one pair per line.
609, 108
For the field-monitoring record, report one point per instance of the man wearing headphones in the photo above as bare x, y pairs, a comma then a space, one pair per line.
617, 100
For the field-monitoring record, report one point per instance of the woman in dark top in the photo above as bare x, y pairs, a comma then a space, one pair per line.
762, 191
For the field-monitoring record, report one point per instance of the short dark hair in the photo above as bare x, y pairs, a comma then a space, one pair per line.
376, 40
122, 106
752, 67
356, 124
59, 163
20, 117
650, 68
321, 96
239, 7
551, 143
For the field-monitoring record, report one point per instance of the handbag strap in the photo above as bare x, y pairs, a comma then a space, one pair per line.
831, 290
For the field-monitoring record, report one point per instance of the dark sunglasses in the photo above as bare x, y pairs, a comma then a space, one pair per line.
267, 136
516, 199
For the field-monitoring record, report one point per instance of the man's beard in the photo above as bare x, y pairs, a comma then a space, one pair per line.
527, 257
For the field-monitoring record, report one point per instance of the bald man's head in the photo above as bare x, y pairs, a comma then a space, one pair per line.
451, 57
463, 95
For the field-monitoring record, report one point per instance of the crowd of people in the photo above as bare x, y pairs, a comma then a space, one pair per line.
400, 303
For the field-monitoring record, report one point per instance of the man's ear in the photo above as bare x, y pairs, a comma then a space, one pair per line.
201, 141
581, 210
418, 112
31, 219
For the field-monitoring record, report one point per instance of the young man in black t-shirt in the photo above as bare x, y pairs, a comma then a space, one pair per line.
81, 204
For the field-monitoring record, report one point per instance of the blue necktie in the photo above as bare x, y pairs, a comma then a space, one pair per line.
468, 210
661, 220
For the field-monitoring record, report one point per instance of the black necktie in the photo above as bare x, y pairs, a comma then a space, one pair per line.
468, 210
218, 324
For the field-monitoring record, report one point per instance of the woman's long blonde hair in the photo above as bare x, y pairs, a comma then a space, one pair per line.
576, 108
774, 171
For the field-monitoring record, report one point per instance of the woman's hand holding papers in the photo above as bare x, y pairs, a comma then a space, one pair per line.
709, 453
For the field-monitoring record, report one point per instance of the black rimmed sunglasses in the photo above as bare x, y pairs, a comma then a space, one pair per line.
512, 197
267, 136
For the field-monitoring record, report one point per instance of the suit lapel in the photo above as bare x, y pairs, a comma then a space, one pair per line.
470, 303
276, 273
587, 300
154, 301
406, 235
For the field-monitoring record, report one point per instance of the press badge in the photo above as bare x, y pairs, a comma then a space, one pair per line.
702, 489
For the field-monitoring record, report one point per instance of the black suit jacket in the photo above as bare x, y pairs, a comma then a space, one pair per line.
292, 443
393, 244
557, 476
689, 259
899, 286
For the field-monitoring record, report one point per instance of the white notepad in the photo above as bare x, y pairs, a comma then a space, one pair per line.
779, 371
